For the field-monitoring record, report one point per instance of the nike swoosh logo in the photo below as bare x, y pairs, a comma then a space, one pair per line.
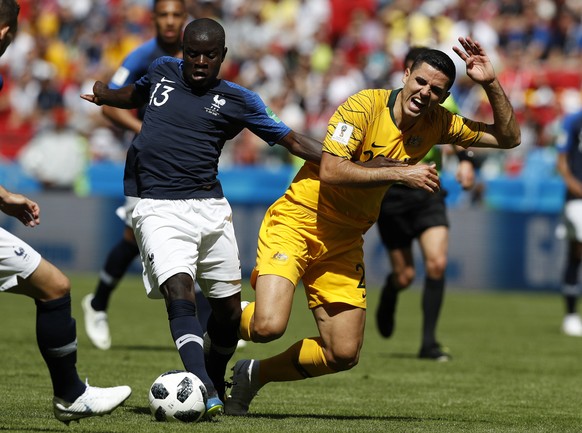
376, 145
164, 80
188, 338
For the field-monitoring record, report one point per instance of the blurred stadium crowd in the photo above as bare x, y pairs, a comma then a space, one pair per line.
304, 57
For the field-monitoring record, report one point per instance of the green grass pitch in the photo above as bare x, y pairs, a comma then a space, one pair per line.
512, 371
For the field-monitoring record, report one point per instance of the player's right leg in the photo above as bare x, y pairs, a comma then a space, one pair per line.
434, 245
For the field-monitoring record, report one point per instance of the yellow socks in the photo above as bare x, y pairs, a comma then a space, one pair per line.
245, 321
302, 360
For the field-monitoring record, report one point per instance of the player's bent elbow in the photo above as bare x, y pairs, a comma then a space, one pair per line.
511, 143
327, 176
511, 139
330, 169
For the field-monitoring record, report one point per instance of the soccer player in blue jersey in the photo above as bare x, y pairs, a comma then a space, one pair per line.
23, 271
570, 168
169, 17
182, 222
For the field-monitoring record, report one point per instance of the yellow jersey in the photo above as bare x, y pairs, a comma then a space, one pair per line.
363, 128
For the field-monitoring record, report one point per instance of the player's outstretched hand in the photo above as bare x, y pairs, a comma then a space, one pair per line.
20, 207
98, 89
422, 176
479, 67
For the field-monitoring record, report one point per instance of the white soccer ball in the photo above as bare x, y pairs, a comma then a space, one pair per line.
178, 396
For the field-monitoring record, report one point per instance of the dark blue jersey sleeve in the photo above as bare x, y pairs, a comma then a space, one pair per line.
260, 119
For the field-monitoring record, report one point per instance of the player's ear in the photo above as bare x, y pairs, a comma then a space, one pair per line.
406, 75
224, 53
4, 31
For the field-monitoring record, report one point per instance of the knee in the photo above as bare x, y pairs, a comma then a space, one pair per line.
180, 286
435, 268
62, 286
57, 286
265, 331
343, 359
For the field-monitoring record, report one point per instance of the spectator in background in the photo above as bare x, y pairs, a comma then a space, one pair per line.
57, 155
570, 168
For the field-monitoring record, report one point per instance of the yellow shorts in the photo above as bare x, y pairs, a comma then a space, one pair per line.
328, 258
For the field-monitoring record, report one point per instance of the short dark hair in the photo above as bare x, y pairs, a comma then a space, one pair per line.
206, 26
413, 53
9, 10
438, 60
155, 2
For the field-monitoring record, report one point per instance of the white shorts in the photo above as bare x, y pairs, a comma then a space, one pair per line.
17, 259
193, 236
124, 212
573, 219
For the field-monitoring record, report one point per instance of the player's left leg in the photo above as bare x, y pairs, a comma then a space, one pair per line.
222, 329
341, 329
402, 275
55, 328
434, 245
57, 340
116, 265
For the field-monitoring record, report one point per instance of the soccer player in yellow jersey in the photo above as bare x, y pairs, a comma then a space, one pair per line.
314, 233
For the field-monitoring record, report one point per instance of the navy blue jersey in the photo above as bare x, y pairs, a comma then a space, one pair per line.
175, 156
136, 65
570, 143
